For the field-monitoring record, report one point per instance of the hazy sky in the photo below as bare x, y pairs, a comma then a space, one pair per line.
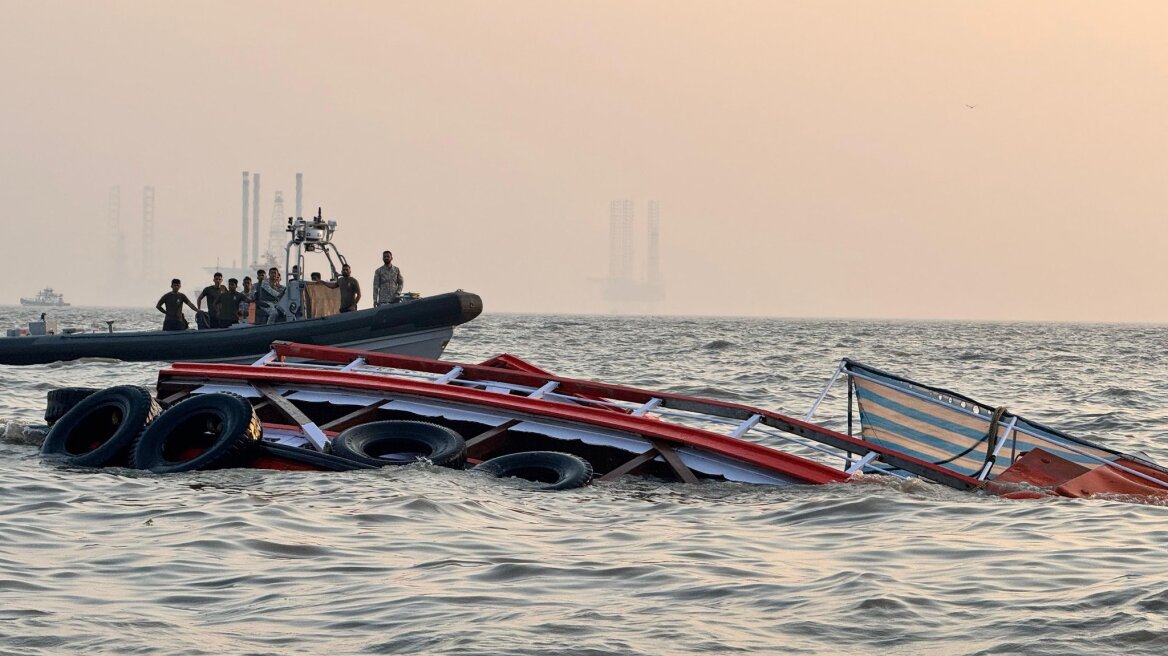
811, 159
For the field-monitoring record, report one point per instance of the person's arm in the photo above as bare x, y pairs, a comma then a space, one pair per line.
188, 302
375, 287
159, 305
199, 300
356, 293
401, 282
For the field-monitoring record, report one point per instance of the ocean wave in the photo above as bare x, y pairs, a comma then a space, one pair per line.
718, 345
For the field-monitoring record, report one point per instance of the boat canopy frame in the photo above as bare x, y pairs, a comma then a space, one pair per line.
1003, 426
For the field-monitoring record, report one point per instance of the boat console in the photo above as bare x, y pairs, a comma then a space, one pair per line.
312, 235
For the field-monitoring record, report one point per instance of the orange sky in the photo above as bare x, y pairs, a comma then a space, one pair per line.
811, 159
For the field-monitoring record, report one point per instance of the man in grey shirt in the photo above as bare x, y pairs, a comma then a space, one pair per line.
387, 281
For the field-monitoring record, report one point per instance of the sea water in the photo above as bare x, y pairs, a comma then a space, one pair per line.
422, 560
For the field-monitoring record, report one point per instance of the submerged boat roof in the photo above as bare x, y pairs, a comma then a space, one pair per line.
721, 428
687, 433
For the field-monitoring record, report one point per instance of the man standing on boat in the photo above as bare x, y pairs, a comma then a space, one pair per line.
171, 305
267, 297
387, 281
248, 296
211, 293
227, 305
350, 290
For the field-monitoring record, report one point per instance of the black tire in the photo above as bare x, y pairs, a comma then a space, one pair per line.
381, 443
209, 431
100, 429
62, 400
549, 470
322, 461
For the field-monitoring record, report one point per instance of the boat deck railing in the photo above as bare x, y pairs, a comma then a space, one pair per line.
726, 419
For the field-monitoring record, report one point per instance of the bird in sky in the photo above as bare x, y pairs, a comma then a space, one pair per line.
970, 106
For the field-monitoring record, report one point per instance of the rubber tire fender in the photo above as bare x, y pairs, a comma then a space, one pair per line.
549, 470
410, 440
101, 428
321, 461
208, 431
62, 400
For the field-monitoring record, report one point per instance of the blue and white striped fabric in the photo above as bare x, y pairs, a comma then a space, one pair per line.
950, 430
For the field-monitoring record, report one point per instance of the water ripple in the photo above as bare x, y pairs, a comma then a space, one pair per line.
422, 559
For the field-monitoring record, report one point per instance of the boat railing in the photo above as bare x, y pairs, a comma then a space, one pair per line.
760, 427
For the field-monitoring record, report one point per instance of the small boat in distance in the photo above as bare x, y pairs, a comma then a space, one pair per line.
45, 298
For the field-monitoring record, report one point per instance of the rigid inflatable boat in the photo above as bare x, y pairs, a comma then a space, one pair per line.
419, 327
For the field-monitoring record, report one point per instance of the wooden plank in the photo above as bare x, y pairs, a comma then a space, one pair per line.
265, 403
307, 426
177, 396
354, 417
630, 466
675, 462
486, 441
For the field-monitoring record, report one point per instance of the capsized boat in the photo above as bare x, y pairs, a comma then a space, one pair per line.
333, 405
420, 327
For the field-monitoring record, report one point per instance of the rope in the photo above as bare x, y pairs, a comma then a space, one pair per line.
995, 419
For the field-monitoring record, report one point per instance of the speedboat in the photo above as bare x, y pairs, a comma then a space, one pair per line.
316, 407
305, 311
420, 327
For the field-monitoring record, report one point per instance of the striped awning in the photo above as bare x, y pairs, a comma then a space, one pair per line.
952, 430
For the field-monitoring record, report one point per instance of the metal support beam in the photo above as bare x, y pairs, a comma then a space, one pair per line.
355, 417
631, 466
448, 376
487, 441
649, 405
307, 426
675, 462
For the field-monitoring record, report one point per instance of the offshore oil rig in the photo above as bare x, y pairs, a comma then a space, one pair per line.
273, 255
148, 274
629, 287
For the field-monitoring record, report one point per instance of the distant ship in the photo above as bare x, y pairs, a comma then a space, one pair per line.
46, 297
